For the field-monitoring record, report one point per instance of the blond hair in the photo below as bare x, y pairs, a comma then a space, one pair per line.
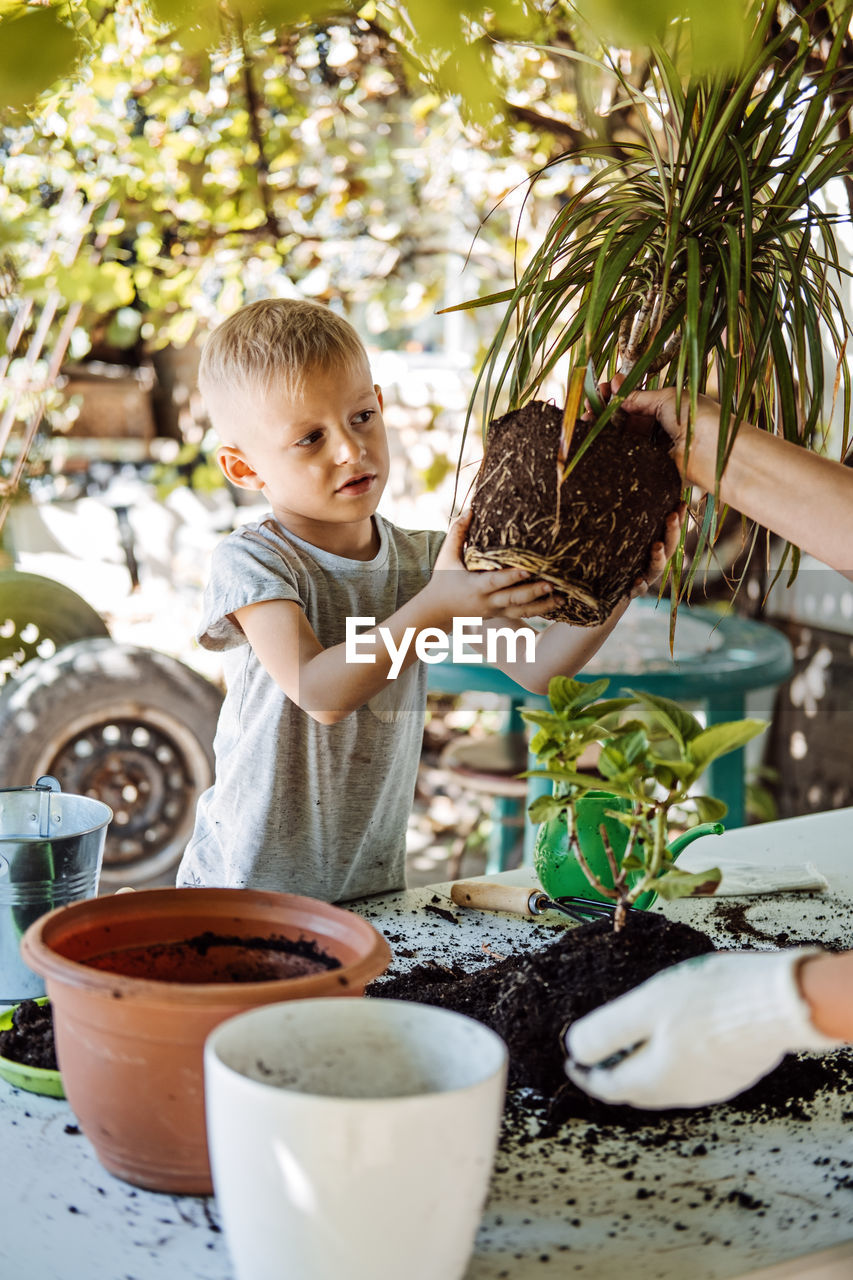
276, 342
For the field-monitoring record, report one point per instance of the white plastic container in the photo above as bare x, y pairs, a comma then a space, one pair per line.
352, 1139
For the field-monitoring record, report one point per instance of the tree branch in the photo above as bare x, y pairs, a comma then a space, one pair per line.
254, 105
561, 129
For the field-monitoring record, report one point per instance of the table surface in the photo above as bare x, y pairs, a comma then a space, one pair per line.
680, 1201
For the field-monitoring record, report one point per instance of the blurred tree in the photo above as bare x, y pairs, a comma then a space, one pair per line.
278, 160
359, 154
267, 145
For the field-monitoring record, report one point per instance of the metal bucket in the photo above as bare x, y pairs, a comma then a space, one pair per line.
51, 850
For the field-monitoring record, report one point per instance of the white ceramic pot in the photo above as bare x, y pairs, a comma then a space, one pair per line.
352, 1139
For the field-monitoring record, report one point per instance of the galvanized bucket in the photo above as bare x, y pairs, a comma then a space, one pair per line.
51, 850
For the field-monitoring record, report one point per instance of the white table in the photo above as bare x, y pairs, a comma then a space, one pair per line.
557, 1208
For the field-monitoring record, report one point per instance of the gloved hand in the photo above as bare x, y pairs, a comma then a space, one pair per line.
704, 1031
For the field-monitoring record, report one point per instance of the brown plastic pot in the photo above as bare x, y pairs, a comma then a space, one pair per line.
130, 1048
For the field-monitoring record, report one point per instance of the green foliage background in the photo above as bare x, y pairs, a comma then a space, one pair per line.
222, 151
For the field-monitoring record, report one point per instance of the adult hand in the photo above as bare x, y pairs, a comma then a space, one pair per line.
665, 406
700, 1032
484, 593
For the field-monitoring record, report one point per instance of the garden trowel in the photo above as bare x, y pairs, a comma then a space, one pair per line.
488, 896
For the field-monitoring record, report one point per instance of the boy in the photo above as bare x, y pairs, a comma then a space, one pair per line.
316, 755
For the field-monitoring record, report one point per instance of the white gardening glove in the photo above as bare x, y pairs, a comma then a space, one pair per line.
700, 1032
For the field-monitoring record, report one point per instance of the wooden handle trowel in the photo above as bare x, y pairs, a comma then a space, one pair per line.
486, 895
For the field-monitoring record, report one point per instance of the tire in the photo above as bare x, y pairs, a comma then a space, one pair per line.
128, 726
38, 617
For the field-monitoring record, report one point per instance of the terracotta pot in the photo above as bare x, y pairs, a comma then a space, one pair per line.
130, 1047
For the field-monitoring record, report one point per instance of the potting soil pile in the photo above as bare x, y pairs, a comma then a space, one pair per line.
529, 999
30, 1040
213, 957
589, 535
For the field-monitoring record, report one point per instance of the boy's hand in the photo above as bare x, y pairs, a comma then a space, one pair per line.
660, 553
484, 593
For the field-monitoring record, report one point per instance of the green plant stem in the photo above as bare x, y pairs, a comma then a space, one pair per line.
618, 875
660, 834
587, 869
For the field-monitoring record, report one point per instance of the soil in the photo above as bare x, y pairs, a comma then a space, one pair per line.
211, 957
529, 999
29, 1040
591, 556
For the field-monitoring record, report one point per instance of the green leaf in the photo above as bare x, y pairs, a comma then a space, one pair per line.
709, 808
671, 715
633, 745
36, 48
544, 719
718, 33
569, 695
546, 808
719, 739
611, 763
608, 706
579, 783
688, 884
684, 770
104, 286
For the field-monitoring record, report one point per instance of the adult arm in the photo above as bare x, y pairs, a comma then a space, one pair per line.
826, 982
802, 497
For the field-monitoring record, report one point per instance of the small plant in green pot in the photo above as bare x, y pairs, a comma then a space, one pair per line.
614, 829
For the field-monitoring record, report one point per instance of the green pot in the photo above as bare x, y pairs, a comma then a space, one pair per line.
557, 868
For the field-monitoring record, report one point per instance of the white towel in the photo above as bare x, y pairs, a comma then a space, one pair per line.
746, 878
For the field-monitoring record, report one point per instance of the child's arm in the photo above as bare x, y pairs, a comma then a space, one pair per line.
327, 686
806, 499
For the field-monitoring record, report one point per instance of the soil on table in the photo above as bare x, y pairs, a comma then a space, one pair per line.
530, 999
212, 957
29, 1040
612, 507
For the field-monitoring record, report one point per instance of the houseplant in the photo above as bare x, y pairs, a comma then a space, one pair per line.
652, 753
648, 765
701, 257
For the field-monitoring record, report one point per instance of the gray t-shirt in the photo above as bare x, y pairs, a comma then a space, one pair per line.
299, 806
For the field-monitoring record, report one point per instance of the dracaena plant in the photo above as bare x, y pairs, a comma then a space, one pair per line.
653, 763
703, 257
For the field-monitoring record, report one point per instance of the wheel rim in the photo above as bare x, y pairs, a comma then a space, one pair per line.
150, 769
